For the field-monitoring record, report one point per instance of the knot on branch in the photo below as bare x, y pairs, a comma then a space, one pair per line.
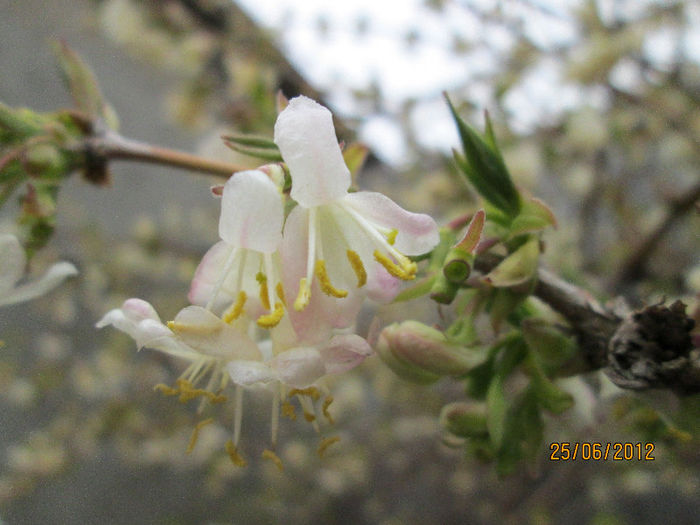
653, 348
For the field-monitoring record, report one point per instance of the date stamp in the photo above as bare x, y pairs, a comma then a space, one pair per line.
595, 451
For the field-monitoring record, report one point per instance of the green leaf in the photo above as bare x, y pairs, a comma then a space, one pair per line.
549, 346
250, 141
484, 167
355, 155
497, 411
518, 268
534, 216
419, 289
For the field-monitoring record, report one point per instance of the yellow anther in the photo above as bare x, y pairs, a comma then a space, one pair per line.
405, 270
273, 319
236, 458
323, 446
391, 236
288, 410
236, 309
166, 390
325, 282
309, 417
326, 403
304, 295
280, 293
269, 454
195, 433
188, 392
309, 391
358, 267
264, 296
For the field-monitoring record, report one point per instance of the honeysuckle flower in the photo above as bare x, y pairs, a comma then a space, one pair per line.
12, 265
241, 272
336, 242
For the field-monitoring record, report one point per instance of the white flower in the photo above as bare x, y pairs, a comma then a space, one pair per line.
241, 272
12, 264
336, 242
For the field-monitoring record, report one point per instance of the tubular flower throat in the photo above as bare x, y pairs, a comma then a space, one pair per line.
338, 243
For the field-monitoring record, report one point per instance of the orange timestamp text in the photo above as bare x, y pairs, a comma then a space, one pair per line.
587, 451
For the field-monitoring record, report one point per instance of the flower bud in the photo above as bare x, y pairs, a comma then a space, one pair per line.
422, 354
467, 420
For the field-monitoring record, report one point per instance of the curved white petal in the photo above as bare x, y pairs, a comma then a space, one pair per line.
207, 276
417, 232
344, 352
12, 261
299, 367
249, 373
306, 138
206, 333
251, 212
50, 280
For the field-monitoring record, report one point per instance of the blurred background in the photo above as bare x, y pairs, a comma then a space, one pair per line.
596, 105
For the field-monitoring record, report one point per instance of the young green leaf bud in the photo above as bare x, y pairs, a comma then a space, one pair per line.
467, 420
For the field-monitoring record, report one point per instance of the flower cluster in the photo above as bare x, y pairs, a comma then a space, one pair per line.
275, 300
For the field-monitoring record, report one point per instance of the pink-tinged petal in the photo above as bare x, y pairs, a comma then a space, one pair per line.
251, 212
381, 285
299, 367
138, 310
306, 138
207, 276
323, 313
417, 232
12, 261
250, 373
344, 352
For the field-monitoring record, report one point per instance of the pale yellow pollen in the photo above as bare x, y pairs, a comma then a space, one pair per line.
309, 417
280, 293
310, 391
271, 320
166, 390
264, 296
304, 295
326, 403
325, 282
323, 446
269, 454
405, 269
236, 309
236, 458
288, 410
391, 236
195, 434
358, 267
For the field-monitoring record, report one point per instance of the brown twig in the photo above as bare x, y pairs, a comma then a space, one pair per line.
634, 267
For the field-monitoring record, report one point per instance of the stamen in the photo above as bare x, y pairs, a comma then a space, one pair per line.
325, 282
188, 392
269, 454
288, 410
323, 446
304, 295
326, 403
307, 406
405, 269
274, 425
166, 390
391, 236
310, 391
236, 458
238, 415
195, 433
273, 319
236, 309
358, 267
280, 293
310, 418
264, 296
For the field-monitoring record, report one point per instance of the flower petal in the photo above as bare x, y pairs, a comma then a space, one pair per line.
417, 232
299, 367
249, 373
306, 138
50, 280
12, 261
251, 212
344, 352
207, 276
